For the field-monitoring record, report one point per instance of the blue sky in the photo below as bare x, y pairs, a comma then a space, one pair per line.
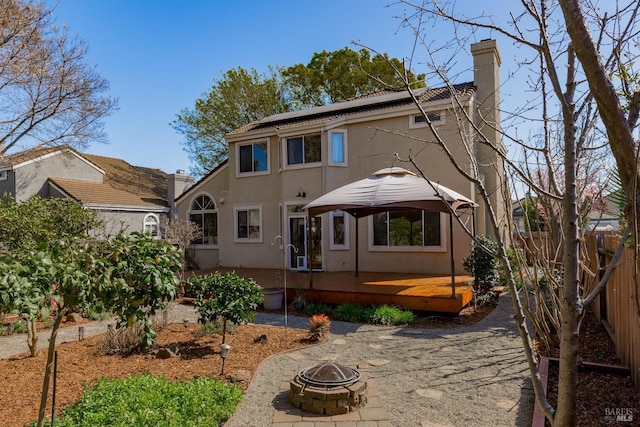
159, 56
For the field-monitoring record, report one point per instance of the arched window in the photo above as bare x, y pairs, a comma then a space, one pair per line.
205, 214
151, 225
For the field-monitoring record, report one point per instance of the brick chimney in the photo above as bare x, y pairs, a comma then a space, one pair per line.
178, 183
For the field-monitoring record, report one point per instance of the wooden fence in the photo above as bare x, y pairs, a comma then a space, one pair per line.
618, 306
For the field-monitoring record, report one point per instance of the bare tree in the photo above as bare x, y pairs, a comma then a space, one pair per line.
584, 97
181, 233
49, 95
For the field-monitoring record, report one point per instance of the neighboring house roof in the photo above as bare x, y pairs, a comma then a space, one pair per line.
98, 195
149, 185
123, 184
372, 102
14, 161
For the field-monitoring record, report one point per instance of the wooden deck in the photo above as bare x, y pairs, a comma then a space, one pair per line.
412, 291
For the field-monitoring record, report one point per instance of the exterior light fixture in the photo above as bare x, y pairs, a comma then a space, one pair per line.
80, 333
185, 323
301, 193
224, 352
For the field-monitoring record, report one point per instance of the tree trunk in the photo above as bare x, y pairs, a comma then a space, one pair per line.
570, 311
49, 367
32, 337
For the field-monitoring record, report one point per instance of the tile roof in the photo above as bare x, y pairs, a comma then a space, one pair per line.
123, 184
94, 193
146, 183
372, 102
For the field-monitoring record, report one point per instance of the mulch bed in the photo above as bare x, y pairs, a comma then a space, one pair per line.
598, 392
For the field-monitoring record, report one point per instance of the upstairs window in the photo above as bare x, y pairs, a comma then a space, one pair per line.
205, 215
338, 148
407, 228
304, 149
151, 225
3, 175
253, 158
419, 121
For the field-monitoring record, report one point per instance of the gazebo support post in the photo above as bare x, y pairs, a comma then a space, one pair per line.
309, 246
453, 264
357, 239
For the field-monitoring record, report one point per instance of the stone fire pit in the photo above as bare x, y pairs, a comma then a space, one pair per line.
328, 388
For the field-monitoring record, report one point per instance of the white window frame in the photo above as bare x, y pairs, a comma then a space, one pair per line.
303, 165
441, 121
345, 149
252, 173
247, 208
435, 248
332, 244
4, 175
202, 212
146, 222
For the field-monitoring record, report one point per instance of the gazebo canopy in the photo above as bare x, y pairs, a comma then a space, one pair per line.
389, 189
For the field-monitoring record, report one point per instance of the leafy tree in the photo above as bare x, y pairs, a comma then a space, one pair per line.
37, 219
239, 97
131, 275
49, 94
242, 96
24, 228
229, 296
344, 74
140, 277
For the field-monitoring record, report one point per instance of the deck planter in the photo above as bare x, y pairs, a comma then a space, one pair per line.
272, 298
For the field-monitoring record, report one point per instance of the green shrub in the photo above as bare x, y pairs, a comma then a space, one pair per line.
3, 330
96, 313
516, 258
318, 308
215, 327
354, 313
482, 265
20, 327
146, 400
388, 315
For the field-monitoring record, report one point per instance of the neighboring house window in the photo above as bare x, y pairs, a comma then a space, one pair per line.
248, 224
407, 228
151, 225
205, 215
304, 149
3, 175
338, 230
338, 148
419, 121
253, 157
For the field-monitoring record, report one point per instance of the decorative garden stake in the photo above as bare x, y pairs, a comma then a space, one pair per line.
284, 272
224, 351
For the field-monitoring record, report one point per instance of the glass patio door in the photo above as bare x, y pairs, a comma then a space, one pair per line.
299, 239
